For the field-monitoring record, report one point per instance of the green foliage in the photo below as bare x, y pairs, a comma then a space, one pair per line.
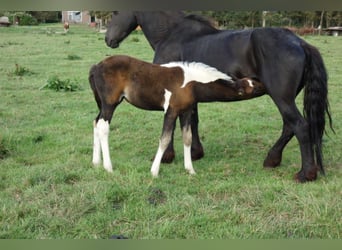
21, 71
57, 84
242, 19
11, 43
4, 152
73, 57
46, 16
135, 39
24, 18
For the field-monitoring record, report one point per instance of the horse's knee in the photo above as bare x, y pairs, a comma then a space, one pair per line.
187, 136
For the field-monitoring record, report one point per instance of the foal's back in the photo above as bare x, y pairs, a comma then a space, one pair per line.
141, 83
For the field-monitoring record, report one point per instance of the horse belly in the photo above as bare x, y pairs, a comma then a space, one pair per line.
144, 100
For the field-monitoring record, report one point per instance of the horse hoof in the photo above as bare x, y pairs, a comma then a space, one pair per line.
301, 177
272, 161
197, 153
168, 157
192, 172
154, 174
109, 169
96, 164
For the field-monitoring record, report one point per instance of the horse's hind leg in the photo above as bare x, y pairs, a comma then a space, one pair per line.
96, 146
185, 121
103, 131
101, 135
197, 151
274, 156
300, 128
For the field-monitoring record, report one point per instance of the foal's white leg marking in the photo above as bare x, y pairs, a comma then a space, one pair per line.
167, 97
250, 83
156, 163
187, 138
103, 132
164, 141
96, 147
187, 160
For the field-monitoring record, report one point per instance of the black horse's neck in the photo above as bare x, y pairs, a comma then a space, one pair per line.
157, 25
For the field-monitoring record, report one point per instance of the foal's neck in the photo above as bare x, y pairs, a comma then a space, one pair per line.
217, 91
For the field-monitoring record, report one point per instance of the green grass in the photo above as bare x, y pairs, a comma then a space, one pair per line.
49, 188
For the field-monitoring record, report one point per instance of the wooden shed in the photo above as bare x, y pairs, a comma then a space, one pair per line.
334, 31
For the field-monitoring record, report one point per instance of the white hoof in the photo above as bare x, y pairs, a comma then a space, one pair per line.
154, 174
96, 163
109, 169
191, 171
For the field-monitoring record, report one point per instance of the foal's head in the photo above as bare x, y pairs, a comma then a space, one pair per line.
248, 86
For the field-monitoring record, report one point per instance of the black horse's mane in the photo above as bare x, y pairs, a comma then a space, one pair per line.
201, 19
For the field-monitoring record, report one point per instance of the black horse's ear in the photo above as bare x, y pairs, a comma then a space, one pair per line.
115, 12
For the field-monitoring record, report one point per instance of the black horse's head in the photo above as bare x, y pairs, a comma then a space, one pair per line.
121, 25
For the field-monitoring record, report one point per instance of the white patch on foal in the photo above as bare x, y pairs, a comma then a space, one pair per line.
195, 71
96, 147
250, 83
102, 128
167, 97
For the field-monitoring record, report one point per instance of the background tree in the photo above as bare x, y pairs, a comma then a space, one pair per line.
46, 16
103, 16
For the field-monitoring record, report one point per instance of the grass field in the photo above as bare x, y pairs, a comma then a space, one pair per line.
49, 188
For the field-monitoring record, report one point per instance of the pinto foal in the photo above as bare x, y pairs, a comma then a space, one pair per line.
173, 88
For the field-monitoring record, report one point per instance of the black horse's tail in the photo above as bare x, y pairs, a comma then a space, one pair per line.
316, 104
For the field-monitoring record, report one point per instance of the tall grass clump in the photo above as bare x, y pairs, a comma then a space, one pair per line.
57, 84
73, 57
4, 152
21, 71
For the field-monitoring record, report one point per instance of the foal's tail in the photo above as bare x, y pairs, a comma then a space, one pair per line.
316, 104
92, 82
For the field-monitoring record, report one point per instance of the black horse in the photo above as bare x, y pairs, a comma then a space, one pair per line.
274, 56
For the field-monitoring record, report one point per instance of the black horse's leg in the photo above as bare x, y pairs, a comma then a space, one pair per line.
274, 156
300, 127
197, 151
